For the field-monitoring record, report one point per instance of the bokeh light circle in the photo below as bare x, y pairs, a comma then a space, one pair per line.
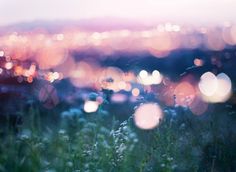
208, 84
148, 116
90, 106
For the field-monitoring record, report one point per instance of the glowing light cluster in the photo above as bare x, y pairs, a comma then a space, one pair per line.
51, 50
52, 76
183, 94
21, 72
215, 88
150, 79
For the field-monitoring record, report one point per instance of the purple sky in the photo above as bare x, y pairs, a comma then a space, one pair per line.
193, 11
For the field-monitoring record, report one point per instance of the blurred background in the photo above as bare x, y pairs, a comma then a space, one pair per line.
118, 74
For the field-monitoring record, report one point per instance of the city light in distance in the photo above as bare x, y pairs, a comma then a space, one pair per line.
215, 88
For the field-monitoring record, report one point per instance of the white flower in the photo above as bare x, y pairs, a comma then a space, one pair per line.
69, 164
61, 131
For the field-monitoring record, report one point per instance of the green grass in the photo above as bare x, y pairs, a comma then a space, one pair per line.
79, 142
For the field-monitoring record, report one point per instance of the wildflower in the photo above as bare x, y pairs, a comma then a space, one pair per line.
25, 134
174, 166
182, 126
125, 128
112, 132
86, 130
75, 112
82, 120
86, 165
45, 139
91, 125
69, 164
121, 148
45, 163
66, 138
105, 144
65, 114
135, 140
24, 137
50, 170
132, 135
61, 131
163, 165
104, 130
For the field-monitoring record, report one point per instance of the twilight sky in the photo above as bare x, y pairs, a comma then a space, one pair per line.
193, 11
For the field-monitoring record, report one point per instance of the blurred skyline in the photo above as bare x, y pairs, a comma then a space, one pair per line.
144, 11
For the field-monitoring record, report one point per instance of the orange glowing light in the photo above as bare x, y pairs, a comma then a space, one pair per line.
30, 79
128, 87
122, 85
51, 56
110, 78
84, 74
185, 94
18, 70
50, 50
129, 76
135, 92
198, 62
160, 45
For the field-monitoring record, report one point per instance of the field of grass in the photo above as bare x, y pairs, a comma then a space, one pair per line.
72, 141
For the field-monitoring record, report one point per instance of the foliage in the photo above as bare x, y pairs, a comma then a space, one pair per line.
82, 142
